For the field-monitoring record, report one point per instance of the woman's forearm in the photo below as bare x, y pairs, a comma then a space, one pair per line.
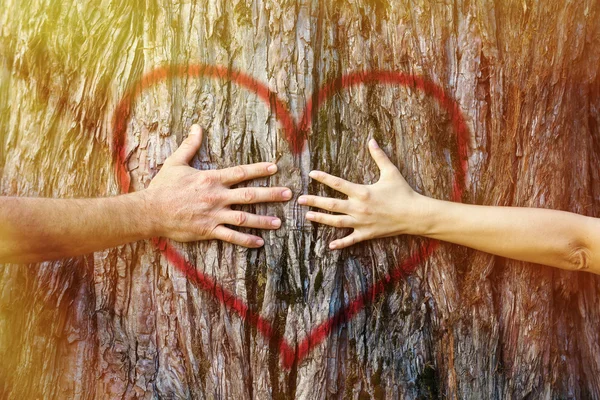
35, 229
391, 207
551, 237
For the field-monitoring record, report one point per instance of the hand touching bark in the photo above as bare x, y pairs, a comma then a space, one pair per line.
387, 208
181, 203
194, 205
390, 207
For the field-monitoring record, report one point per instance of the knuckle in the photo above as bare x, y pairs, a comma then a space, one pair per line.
248, 195
246, 241
186, 145
363, 195
332, 205
241, 218
365, 210
208, 179
211, 198
336, 183
230, 236
238, 173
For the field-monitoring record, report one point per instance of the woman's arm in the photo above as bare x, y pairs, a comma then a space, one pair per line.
390, 207
181, 203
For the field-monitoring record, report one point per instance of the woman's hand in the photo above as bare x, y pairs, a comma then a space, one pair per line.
390, 207
387, 208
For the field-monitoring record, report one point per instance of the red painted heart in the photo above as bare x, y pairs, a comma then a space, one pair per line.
295, 135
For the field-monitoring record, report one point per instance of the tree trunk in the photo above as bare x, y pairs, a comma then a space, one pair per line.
130, 322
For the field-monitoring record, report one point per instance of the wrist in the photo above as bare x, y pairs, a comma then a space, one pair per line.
150, 220
425, 215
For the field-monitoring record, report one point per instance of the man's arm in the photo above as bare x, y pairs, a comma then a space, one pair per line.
180, 203
390, 207
37, 229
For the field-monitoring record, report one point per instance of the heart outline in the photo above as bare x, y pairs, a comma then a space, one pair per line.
296, 137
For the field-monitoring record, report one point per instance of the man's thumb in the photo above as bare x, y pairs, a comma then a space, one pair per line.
189, 147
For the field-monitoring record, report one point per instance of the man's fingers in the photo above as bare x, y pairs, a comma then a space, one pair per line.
326, 203
248, 220
241, 239
381, 159
347, 241
251, 195
188, 148
333, 182
241, 173
339, 221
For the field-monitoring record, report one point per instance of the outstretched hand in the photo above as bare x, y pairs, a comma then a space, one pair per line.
192, 205
387, 208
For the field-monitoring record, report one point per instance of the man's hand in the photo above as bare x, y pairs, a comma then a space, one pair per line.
181, 203
387, 208
187, 204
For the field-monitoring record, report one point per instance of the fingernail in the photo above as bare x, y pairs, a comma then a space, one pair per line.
374, 144
310, 215
195, 130
276, 223
260, 242
301, 200
312, 174
287, 194
332, 246
272, 168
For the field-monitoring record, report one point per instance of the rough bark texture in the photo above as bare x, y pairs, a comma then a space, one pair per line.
124, 323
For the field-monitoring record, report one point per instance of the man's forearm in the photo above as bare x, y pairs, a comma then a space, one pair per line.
181, 203
557, 238
36, 229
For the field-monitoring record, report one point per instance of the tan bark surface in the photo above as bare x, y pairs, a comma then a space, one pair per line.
124, 323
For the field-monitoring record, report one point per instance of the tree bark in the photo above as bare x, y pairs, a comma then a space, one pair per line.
126, 323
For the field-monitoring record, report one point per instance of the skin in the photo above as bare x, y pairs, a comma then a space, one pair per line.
391, 207
181, 203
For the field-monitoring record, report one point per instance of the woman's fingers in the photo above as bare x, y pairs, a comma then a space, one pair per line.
242, 239
326, 203
334, 182
339, 221
248, 220
381, 159
347, 241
